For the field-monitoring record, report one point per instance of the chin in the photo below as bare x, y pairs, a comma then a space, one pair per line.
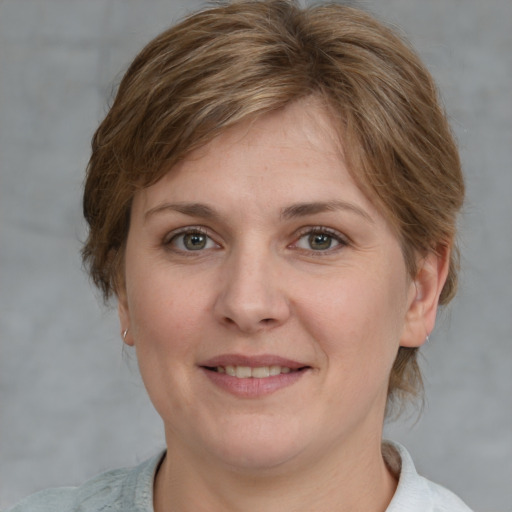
258, 460
259, 447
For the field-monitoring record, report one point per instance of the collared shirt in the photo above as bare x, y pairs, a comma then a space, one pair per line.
414, 492
131, 490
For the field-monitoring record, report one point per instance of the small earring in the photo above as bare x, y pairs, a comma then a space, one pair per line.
125, 332
427, 339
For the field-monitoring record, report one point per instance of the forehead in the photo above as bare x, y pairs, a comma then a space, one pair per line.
287, 140
284, 158
303, 124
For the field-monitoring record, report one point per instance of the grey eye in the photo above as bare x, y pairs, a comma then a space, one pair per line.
192, 241
320, 241
195, 241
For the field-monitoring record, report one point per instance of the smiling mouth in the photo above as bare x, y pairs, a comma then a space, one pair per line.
260, 372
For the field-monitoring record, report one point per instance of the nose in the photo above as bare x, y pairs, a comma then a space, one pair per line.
252, 294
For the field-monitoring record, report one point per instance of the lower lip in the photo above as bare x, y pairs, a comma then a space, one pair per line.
253, 387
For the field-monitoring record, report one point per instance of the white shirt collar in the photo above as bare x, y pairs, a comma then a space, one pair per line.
414, 492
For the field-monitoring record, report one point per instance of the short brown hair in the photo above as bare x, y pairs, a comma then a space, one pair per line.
245, 58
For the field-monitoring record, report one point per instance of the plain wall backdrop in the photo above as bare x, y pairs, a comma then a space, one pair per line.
71, 401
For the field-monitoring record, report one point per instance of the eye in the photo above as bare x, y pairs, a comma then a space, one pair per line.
320, 239
191, 240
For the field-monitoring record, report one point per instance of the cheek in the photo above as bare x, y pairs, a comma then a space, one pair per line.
165, 311
166, 324
358, 320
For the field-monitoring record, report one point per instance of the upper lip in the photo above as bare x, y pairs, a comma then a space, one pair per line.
252, 361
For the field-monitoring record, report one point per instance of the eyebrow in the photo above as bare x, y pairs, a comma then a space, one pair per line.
191, 209
293, 211
304, 209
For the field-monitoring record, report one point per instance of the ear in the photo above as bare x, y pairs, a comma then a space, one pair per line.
426, 288
124, 315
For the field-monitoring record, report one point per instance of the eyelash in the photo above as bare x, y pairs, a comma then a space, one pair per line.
341, 240
309, 231
189, 230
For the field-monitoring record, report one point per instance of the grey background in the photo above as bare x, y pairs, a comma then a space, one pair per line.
71, 401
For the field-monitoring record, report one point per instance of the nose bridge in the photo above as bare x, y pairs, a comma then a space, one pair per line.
250, 294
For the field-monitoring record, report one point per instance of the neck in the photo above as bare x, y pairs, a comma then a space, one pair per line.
347, 480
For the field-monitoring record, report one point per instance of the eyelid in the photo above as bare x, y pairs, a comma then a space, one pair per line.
337, 235
169, 237
341, 238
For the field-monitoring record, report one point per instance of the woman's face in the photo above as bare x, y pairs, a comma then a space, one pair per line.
266, 297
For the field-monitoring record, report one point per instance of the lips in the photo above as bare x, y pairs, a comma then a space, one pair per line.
251, 377
258, 372
257, 367
252, 361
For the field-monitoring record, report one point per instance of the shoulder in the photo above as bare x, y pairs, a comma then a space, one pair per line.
414, 492
50, 499
117, 490
444, 500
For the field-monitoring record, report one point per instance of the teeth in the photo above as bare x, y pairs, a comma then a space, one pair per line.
260, 373
275, 370
245, 372
242, 372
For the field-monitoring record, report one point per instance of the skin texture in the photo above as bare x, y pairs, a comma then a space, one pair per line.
259, 287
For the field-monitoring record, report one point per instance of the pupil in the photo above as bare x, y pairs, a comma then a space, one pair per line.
320, 241
195, 241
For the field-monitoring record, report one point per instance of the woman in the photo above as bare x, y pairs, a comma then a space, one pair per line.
272, 199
